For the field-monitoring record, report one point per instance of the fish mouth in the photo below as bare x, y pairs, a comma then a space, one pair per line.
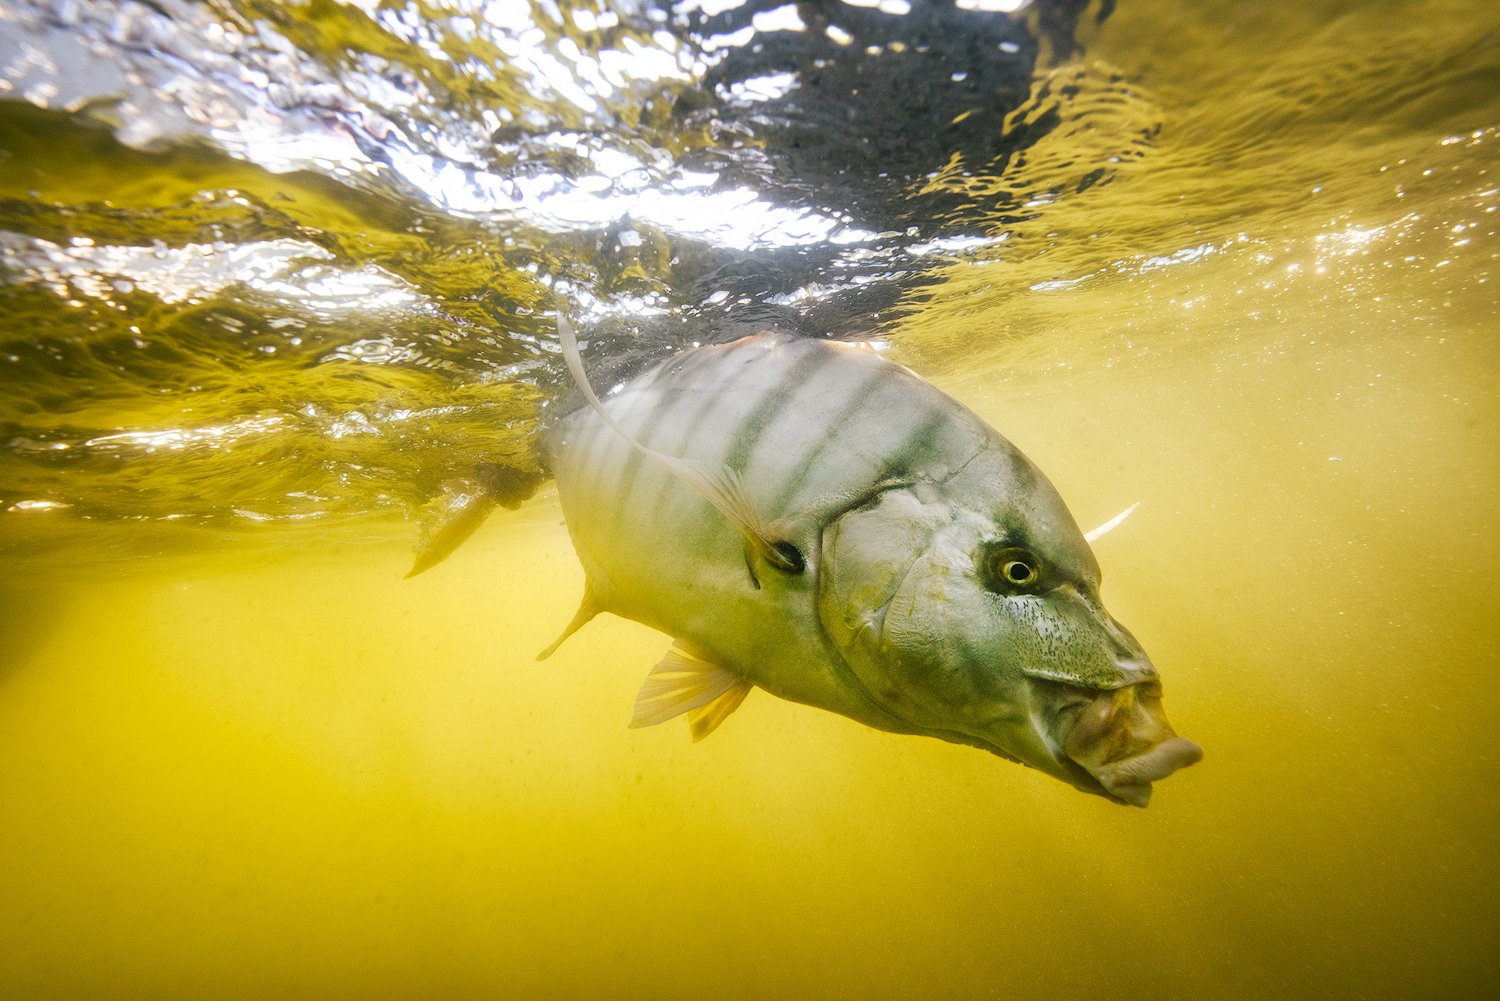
1120, 742
1128, 781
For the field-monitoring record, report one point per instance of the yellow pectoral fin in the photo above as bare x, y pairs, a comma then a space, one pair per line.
706, 719
684, 682
724, 488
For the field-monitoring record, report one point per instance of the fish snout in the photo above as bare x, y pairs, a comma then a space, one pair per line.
1130, 779
1122, 738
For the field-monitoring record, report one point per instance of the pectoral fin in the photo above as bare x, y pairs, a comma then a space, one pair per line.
684, 682
1111, 523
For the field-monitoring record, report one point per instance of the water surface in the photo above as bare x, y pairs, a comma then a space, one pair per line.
274, 274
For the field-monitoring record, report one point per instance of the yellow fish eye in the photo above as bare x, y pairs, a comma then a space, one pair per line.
1014, 569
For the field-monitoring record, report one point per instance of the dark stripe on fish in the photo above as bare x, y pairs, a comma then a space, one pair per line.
768, 406
919, 440
665, 385
897, 465
676, 390
858, 401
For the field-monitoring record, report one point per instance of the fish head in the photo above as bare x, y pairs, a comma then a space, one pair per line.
968, 609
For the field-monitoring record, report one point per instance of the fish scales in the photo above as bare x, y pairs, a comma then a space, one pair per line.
699, 381
780, 392
720, 376
772, 409
809, 518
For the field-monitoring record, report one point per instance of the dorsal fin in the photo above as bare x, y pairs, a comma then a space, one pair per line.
683, 682
587, 609
722, 487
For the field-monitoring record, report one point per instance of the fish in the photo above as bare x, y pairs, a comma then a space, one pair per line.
808, 517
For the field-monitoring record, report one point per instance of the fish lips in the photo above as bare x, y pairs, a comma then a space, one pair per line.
1119, 742
1129, 781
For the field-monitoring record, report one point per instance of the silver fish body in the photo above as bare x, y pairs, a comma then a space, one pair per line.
916, 572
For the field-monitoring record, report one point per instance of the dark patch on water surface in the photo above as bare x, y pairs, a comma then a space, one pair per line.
873, 101
211, 320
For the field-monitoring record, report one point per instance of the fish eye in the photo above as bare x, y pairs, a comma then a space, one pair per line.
1013, 569
1019, 571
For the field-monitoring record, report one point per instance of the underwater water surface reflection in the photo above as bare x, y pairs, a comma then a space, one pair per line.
248, 342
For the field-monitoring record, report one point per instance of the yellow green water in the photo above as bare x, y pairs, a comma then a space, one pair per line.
263, 765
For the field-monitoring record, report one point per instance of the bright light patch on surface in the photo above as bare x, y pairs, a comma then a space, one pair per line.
992, 6
37, 505
1183, 256
681, 204
712, 8
176, 439
955, 244
806, 294
733, 40
266, 141
1350, 240
328, 288
290, 269
1059, 284
367, 7
585, 305
375, 350
508, 15
781, 19
896, 8
763, 88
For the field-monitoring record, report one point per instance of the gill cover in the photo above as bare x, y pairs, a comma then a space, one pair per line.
1031, 674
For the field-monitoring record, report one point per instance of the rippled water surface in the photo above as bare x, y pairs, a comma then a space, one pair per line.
277, 279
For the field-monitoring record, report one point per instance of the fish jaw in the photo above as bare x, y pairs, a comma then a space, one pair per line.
1122, 742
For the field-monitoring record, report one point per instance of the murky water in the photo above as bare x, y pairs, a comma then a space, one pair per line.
273, 274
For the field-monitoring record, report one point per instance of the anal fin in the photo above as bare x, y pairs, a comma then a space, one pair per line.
684, 682
587, 609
